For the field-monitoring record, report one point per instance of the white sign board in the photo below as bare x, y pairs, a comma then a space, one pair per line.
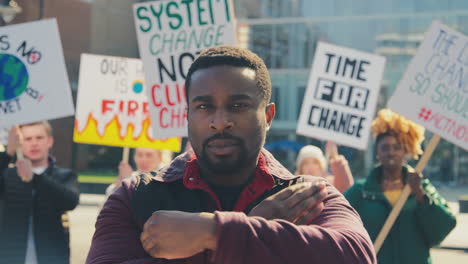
34, 83
434, 89
341, 96
112, 106
4, 136
170, 35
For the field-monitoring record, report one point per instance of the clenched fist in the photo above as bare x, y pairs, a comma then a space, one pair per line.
176, 234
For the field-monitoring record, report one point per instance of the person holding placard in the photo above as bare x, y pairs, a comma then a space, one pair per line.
426, 218
146, 160
229, 200
311, 161
36, 195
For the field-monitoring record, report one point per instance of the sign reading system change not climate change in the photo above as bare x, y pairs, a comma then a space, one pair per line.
170, 35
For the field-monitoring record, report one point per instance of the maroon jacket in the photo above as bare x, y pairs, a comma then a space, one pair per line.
335, 236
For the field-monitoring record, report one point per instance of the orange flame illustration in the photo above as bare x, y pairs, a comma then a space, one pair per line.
112, 137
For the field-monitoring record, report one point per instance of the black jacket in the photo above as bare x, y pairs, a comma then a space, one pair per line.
55, 192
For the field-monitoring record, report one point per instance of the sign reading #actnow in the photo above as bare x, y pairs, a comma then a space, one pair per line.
434, 89
170, 35
341, 96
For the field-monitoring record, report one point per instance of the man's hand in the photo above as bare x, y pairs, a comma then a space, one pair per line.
24, 169
125, 170
414, 181
299, 203
175, 234
13, 141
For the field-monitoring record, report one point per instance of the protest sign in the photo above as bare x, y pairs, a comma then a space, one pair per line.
3, 136
112, 106
34, 83
341, 95
434, 90
170, 35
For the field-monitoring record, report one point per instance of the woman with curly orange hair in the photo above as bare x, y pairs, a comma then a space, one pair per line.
425, 219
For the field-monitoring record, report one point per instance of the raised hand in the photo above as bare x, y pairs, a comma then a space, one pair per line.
13, 140
414, 181
24, 169
125, 170
343, 178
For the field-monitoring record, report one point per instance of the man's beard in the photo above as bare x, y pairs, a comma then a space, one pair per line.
224, 166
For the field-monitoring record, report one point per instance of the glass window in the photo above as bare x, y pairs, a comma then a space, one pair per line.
275, 98
300, 98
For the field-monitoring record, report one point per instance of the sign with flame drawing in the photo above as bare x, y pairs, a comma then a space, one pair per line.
112, 105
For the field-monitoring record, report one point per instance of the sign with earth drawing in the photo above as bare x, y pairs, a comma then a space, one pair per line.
34, 84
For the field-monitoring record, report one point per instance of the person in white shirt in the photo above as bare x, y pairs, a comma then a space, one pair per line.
36, 195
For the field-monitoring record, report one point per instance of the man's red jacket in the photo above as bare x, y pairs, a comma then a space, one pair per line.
337, 235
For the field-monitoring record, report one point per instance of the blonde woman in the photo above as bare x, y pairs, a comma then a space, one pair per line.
311, 161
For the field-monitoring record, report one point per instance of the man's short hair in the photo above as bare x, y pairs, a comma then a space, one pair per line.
45, 124
233, 56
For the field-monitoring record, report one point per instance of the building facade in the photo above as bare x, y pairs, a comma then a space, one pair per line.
285, 32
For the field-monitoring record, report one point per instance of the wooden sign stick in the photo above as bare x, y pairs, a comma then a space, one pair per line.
404, 194
125, 154
19, 154
19, 150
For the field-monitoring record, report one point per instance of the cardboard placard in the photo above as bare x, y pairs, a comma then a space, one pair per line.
341, 96
434, 89
34, 83
112, 105
170, 35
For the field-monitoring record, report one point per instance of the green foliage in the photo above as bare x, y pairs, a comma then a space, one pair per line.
97, 178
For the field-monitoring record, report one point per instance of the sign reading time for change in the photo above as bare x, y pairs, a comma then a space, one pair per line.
170, 35
434, 90
341, 95
112, 105
33, 79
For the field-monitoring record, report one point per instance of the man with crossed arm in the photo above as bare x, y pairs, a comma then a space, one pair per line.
228, 201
